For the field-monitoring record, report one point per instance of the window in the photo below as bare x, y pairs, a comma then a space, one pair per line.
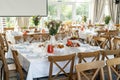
82, 9
68, 9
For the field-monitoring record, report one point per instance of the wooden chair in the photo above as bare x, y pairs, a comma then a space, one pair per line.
2, 44
68, 59
108, 54
112, 71
6, 47
36, 37
100, 41
45, 36
59, 36
116, 43
5, 29
97, 66
8, 69
32, 28
17, 64
18, 39
117, 26
85, 55
101, 32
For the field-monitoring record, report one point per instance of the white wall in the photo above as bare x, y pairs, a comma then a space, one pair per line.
23, 7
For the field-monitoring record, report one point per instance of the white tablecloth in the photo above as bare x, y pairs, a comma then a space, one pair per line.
34, 59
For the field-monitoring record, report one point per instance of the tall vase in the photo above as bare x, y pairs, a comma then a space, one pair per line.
52, 40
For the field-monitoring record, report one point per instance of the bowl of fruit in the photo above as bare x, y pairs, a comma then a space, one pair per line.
72, 44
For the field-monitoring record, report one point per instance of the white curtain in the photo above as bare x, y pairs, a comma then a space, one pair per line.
112, 10
98, 10
117, 20
23, 21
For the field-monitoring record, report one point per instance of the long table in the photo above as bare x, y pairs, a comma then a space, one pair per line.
34, 59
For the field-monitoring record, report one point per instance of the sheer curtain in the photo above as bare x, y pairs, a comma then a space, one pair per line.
117, 20
112, 9
98, 10
23, 21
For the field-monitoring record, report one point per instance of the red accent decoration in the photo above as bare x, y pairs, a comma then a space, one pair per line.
50, 48
25, 33
69, 42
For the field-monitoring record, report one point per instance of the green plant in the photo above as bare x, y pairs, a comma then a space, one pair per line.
84, 18
53, 26
36, 20
107, 19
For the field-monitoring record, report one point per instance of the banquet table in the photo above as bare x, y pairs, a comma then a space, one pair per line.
34, 58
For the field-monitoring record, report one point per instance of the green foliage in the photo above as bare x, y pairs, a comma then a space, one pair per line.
82, 9
36, 20
107, 19
53, 26
84, 18
9, 22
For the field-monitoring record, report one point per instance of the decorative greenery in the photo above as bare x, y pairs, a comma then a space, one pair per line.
107, 19
53, 26
84, 18
36, 20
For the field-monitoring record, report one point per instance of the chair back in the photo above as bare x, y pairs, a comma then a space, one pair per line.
5, 42
108, 54
45, 36
116, 43
1, 41
18, 39
36, 37
66, 59
113, 65
17, 64
100, 41
83, 56
96, 66
5, 66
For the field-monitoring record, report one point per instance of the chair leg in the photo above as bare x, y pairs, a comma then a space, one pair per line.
1, 72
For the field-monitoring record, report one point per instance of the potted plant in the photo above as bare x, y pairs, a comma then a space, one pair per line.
84, 18
36, 20
107, 19
53, 26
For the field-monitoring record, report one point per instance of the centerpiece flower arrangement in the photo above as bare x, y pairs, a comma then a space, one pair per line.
53, 26
36, 20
